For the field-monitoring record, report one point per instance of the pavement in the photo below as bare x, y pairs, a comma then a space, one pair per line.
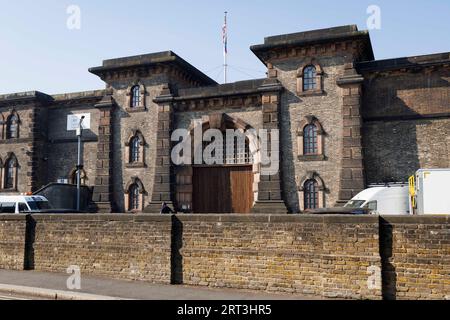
53, 286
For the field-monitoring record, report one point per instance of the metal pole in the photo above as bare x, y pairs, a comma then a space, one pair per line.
79, 165
225, 51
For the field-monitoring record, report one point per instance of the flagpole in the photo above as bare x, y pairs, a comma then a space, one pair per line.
225, 49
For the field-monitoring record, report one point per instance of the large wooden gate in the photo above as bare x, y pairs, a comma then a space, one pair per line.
223, 189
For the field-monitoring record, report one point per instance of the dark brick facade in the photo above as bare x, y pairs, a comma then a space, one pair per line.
379, 121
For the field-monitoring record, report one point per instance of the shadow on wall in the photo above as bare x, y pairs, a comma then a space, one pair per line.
30, 235
388, 273
394, 108
391, 152
118, 161
176, 275
287, 167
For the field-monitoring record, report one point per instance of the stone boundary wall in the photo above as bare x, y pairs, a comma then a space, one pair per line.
317, 255
12, 242
358, 257
117, 246
416, 257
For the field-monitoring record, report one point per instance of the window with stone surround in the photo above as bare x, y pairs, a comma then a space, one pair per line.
310, 140
135, 146
135, 150
83, 177
309, 79
134, 196
311, 197
310, 136
12, 126
311, 192
10, 173
135, 98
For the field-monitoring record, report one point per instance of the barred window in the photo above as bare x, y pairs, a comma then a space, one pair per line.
236, 151
12, 127
309, 78
135, 146
134, 197
311, 196
310, 141
135, 96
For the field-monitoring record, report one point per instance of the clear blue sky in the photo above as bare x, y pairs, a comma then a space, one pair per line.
38, 51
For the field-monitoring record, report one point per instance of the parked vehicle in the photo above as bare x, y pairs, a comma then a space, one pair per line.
429, 192
23, 204
386, 200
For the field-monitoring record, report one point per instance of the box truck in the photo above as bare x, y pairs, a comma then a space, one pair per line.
429, 192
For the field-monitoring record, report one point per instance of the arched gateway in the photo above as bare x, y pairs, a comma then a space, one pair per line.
225, 187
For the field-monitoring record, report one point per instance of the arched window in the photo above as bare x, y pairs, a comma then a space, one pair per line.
135, 149
12, 127
134, 197
83, 177
310, 141
135, 96
135, 145
311, 194
309, 78
10, 173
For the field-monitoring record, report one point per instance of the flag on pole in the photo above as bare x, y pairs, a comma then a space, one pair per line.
225, 36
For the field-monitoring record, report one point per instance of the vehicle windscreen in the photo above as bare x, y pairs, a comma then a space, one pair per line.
39, 205
354, 204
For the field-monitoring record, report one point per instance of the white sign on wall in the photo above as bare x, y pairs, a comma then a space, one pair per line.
73, 121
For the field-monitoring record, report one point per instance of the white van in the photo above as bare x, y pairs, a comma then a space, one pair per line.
386, 200
23, 204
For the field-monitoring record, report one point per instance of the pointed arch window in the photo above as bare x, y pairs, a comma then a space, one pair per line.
135, 152
134, 196
10, 173
12, 127
310, 143
311, 195
83, 177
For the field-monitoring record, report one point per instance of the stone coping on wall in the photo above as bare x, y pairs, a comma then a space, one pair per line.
276, 218
12, 217
102, 217
431, 219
